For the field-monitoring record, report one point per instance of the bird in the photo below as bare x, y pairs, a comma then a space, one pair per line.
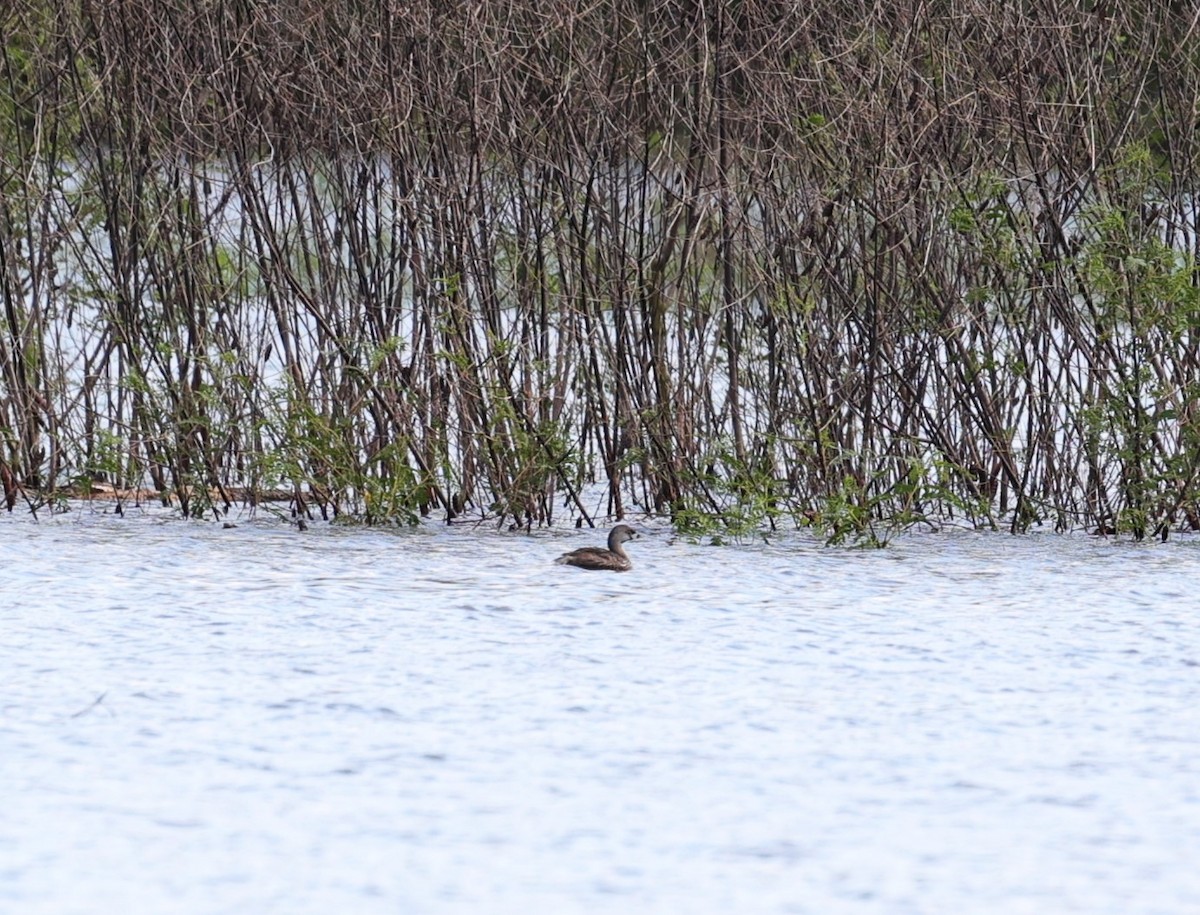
614, 559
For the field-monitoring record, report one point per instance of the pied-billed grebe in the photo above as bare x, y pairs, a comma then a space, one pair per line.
614, 559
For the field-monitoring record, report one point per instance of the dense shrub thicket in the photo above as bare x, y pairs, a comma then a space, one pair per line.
854, 263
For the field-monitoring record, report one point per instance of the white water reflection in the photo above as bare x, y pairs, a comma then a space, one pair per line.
202, 720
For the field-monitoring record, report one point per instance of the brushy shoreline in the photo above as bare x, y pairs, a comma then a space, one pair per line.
745, 264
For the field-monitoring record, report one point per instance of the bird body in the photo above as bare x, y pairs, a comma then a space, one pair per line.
613, 559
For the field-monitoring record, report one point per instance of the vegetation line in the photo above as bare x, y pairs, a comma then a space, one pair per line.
848, 264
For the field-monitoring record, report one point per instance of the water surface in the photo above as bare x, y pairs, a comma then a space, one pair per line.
196, 719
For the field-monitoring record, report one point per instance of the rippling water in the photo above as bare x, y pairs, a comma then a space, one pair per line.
202, 720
